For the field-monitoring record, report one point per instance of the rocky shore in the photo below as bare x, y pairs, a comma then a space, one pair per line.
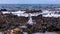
10, 23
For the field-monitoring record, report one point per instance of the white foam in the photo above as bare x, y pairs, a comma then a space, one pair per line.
5, 12
18, 12
50, 14
21, 13
45, 11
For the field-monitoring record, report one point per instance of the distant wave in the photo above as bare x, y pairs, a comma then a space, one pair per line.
19, 6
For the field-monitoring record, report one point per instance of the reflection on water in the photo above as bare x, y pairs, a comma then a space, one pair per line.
42, 33
25, 33
1, 32
46, 33
37, 33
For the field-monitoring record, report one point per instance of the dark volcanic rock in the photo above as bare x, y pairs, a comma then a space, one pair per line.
10, 21
3, 10
33, 11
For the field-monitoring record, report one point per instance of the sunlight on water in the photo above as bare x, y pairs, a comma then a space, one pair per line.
42, 33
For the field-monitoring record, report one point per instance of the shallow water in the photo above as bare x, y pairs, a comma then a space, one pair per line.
1, 32
42, 33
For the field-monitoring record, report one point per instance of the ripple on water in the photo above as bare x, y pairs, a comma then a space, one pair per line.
42, 33
46, 33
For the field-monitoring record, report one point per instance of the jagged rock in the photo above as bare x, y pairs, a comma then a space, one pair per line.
3, 10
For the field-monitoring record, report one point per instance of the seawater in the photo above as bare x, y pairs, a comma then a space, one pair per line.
19, 6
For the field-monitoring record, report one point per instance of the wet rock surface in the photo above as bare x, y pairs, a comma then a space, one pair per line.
43, 24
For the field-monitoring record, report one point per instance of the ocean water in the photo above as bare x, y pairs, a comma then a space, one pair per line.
45, 12
20, 6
